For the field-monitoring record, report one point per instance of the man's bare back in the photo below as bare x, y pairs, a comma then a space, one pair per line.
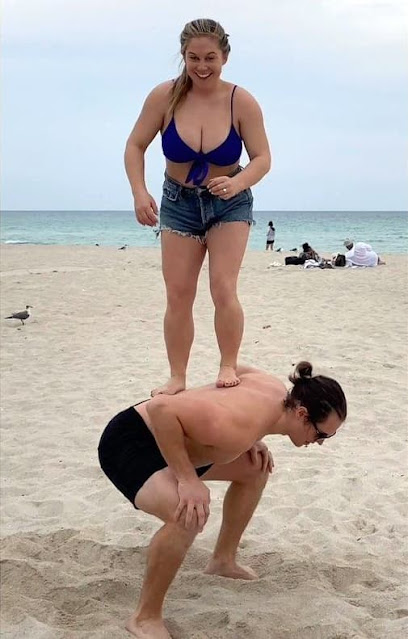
220, 423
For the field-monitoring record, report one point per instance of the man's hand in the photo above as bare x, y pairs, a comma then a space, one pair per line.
261, 456
194, 503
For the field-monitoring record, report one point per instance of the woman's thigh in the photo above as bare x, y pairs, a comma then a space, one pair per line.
182, 258
226, 246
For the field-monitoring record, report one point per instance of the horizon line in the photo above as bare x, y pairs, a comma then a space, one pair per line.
325, 210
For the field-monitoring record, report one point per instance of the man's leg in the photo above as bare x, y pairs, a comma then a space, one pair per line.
247, 484
166, 553
170, 544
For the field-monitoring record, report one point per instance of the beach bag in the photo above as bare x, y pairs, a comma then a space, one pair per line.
294, 260
340, 260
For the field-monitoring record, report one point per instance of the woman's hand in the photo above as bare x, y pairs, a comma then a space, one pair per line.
194, 504
224, 187
145, 209
261, 456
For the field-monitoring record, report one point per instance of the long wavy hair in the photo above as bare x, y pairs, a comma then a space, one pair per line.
195, 29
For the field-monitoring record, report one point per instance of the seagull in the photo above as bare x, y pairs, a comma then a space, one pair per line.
122, 248
21, 315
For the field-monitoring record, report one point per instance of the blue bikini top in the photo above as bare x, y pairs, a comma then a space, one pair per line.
176, 150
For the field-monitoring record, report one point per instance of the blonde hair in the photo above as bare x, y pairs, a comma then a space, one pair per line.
203, 27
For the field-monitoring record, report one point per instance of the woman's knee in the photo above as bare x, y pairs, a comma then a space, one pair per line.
223, 291
181, 296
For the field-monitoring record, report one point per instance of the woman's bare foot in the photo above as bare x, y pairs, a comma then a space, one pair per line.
230, 569
227, 377
175, 384
148, 629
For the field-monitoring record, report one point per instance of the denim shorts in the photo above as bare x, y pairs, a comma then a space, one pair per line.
191, 212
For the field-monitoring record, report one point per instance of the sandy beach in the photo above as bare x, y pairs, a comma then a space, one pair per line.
329, 539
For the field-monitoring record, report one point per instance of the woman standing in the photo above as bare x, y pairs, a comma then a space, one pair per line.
207, 202
270, 236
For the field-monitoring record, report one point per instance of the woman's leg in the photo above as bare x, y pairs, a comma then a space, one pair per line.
182, 258
226, 247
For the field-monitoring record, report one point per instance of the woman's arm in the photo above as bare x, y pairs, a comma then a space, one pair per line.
143, 133
253, 134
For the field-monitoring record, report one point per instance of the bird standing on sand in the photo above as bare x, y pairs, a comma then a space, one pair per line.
21, 315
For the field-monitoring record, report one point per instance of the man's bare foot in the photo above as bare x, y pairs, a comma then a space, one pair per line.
230, 569
148, 629
227, 377
174, 385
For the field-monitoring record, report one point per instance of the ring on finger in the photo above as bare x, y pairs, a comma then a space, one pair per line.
224, 190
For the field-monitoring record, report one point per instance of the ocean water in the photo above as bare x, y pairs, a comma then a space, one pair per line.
387, 231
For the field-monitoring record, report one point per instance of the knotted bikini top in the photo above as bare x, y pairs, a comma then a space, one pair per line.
176, 150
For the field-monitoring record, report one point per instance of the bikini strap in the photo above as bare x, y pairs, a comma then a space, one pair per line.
232, 98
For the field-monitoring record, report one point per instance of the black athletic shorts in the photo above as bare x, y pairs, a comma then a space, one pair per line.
129, 455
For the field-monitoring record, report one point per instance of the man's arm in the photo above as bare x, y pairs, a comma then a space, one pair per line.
169, 435
194, 496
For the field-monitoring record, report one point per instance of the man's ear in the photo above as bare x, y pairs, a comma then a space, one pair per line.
302, 412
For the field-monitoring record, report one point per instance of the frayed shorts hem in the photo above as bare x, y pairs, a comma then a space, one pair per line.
202, 239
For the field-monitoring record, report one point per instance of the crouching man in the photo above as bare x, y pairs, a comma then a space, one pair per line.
161, 452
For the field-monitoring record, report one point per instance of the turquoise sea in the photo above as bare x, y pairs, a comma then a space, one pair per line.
387, 231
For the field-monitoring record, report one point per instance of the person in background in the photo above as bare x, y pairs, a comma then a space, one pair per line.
308, 253
207, 201
270, 236
361, 254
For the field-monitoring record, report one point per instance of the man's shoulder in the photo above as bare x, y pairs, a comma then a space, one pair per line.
258, 376
244, 369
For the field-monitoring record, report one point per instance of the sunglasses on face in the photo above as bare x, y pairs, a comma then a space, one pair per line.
320, 434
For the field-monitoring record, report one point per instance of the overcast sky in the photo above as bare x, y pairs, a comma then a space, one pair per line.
330, 75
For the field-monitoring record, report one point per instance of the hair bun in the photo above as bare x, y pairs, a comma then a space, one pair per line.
303, 370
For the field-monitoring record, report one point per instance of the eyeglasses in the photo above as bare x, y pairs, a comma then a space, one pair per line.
320, 434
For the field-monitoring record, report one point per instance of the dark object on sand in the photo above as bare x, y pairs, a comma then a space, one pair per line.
122, 248
294, 260
21, 315
340, 260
